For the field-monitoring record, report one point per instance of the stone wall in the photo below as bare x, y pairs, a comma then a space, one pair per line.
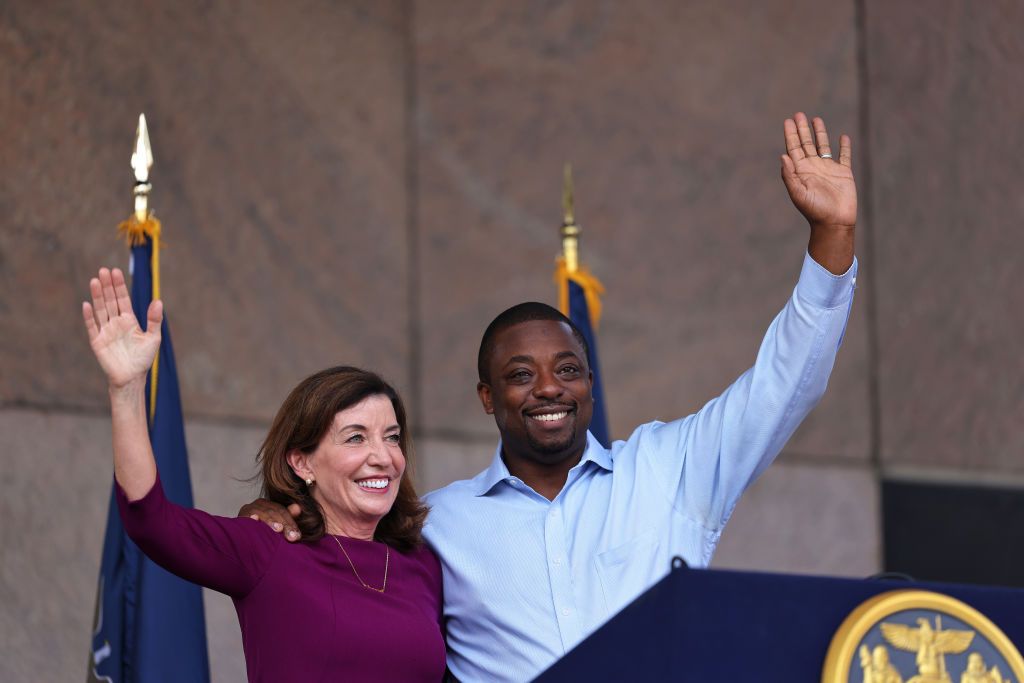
371, 182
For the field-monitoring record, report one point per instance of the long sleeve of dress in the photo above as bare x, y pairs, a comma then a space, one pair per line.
226, 554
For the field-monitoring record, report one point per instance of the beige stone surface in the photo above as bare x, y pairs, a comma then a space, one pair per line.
806, 519
946, 82
56, 475
56, 479
441, 461
278, 134
671, 113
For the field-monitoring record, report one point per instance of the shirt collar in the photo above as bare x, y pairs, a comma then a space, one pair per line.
498, 472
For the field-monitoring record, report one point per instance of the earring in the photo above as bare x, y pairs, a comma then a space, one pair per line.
309, 481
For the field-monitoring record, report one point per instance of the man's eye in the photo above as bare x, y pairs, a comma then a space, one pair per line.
569, 370
519, 375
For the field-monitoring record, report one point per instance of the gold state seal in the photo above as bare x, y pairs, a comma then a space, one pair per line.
914, 636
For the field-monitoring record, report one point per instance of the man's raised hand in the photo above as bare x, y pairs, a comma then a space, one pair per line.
822, 189
123, 350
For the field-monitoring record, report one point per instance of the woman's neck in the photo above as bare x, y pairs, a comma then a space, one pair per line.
350, 528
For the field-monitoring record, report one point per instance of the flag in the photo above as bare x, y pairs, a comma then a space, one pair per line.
579, 298
149, 624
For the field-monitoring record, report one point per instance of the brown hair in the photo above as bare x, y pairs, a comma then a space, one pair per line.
300, 424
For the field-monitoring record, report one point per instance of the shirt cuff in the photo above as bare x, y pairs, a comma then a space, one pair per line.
819, 287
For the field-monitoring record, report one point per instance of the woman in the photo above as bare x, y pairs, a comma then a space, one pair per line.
360, 598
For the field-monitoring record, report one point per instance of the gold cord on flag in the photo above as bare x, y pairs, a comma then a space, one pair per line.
591, 286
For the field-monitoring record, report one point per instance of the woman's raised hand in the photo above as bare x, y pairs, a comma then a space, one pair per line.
123, 350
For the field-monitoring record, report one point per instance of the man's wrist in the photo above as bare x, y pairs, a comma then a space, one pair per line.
832, 246
839, 228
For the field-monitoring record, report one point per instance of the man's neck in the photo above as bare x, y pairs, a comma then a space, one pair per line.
546, 479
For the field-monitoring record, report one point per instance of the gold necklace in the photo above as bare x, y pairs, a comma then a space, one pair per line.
387, 558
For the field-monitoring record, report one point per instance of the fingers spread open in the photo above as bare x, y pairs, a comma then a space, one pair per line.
845, 151
789, 176
90, 320
154, 317
124, 299
793, 147
804, 131
96, 291
821, 137
109, 299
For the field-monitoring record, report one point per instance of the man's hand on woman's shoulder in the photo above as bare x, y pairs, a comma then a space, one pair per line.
277, 517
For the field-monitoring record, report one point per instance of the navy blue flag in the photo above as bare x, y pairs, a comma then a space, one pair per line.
579, 313
149, 625
579, 298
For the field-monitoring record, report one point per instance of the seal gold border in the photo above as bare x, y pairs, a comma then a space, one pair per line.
862, 619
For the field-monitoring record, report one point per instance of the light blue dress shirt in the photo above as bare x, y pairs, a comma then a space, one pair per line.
526, 579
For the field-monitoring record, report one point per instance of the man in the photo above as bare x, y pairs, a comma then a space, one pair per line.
559, 533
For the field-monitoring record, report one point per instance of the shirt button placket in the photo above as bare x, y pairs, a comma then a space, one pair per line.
560, 578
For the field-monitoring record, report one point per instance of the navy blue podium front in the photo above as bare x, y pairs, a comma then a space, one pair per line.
705, 626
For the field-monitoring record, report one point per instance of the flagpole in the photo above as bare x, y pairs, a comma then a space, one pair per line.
149, 623
579, 298
570, 231
144, 224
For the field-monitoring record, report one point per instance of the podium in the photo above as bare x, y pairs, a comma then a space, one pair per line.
709, 626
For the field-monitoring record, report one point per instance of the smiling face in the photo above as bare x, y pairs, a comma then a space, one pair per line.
539, 392
357, 467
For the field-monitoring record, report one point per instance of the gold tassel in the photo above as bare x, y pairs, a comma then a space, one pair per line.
592, 289
135, 233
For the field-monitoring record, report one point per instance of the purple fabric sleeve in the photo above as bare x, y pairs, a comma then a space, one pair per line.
229, 555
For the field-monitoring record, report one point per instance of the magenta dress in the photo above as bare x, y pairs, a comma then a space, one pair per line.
304, 615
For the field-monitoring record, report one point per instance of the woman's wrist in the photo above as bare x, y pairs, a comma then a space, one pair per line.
130, 392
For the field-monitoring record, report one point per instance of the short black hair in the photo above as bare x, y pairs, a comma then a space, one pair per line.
521, 313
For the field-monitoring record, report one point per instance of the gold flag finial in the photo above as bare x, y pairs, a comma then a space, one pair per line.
142, 161
570, 231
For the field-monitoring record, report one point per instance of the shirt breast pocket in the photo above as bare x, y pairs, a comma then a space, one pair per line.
627, 569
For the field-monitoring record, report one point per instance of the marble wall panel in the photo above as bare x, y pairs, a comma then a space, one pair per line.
441, 461
806, 519
671, 113
947, 88
279, 137
56, 477
56, 482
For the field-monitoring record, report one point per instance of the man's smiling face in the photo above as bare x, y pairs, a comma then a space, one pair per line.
539, 391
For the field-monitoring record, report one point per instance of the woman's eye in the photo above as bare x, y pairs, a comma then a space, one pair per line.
355, 438
394, 438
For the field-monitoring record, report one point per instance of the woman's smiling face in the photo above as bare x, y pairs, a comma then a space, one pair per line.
357, 467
